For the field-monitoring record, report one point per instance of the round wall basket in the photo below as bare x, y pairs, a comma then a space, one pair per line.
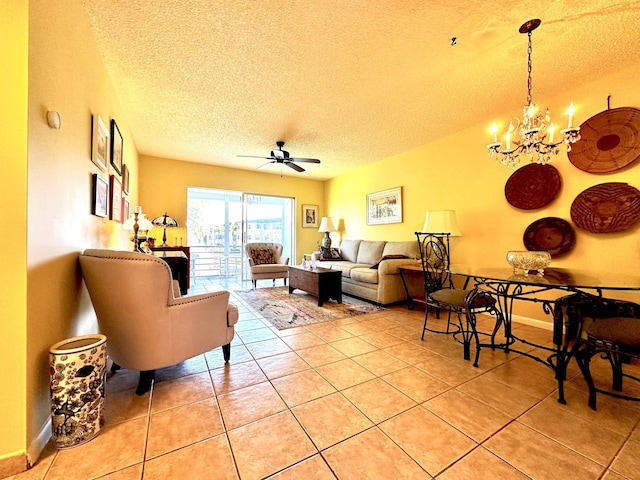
606, 208
551, 234
532, 186
609, 141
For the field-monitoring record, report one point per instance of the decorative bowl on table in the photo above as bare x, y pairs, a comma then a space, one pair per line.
528, 261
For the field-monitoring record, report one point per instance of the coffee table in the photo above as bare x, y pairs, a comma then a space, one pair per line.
322, 283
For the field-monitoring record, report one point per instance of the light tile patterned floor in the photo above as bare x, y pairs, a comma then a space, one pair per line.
359, 398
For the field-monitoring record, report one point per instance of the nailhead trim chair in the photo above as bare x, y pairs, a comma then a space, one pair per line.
147, 324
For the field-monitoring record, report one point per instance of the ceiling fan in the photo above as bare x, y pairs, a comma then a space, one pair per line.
282, 157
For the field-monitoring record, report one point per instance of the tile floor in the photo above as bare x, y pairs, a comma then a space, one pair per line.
359, 398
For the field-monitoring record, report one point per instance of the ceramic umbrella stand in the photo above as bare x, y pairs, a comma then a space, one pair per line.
78, 367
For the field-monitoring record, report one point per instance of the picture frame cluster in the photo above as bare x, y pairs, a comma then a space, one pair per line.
107, 153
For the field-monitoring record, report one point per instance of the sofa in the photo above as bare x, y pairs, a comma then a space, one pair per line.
370, 269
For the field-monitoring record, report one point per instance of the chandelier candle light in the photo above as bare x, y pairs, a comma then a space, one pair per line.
535, 129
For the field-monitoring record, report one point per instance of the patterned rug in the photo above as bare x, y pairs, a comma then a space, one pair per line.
284, 310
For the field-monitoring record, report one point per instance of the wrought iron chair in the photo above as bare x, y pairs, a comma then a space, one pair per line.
616, 339
440, 293
577, 335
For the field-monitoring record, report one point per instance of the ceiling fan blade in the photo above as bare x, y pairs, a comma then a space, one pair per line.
265, 165
297, 168
255, 156
307, 160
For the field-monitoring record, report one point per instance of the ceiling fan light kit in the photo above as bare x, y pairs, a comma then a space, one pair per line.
283, 158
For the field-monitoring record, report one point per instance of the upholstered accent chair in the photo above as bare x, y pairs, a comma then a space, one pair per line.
266, 261
440, 293
147, 324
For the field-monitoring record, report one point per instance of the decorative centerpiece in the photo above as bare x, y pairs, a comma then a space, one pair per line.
528, 261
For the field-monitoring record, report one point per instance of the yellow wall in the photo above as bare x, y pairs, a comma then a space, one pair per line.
13, 241
163, 187
456, 173
66, 75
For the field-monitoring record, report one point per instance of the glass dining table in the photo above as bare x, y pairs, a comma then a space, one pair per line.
507, 286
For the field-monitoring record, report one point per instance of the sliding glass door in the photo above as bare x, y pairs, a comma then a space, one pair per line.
220, 222
268, 219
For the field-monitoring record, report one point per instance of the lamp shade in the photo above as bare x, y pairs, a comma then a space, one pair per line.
441, 221
326, 225
143, 222
165, 221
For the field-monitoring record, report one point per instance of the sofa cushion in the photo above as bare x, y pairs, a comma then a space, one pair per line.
366, 275
370, 252
410, 249
349, 250
346, 267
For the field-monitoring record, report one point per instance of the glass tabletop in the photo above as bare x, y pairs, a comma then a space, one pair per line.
553, 277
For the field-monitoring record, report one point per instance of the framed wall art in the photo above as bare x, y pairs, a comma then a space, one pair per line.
100, 196
125, 179
116, 147
116, 199
99, 143
125, 209
309, 216
384, 207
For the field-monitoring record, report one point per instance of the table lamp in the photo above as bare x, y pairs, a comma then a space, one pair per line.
138, 222
326, 226
165, 221
441, 222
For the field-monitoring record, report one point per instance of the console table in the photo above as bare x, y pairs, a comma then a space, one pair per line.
187, 253
322, 283
179, 264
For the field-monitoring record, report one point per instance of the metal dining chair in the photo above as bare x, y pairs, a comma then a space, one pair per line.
440, 293
616, 339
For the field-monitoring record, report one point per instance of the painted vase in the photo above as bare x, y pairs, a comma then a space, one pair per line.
78, 367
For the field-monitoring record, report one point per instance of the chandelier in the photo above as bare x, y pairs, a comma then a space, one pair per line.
535, 130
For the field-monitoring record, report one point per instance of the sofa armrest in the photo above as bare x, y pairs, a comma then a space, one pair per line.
392, 266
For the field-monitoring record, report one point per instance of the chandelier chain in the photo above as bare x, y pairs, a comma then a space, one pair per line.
532, 135
529, 81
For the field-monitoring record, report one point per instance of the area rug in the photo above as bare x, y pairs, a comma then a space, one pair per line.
285, 310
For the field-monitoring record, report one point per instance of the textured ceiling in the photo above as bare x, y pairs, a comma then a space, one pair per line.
350, 82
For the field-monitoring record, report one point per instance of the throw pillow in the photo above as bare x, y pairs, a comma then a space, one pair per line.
329, 253
388, 257
263, 256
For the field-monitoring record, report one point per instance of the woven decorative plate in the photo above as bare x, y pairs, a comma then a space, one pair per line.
609, 141
551, 234
532, 186
606, 208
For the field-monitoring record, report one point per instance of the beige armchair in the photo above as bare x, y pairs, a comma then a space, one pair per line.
266, 261
147, 324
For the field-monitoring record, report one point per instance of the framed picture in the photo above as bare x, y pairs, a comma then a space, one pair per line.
116, 199
125, 209
116, 147
99, 143
100, 196
384, 207
309, 216
125, 179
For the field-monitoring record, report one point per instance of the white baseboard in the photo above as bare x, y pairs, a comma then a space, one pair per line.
532, 322
37, 445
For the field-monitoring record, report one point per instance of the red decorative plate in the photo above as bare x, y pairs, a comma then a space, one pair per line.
551, 234
532, 186
606, 208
